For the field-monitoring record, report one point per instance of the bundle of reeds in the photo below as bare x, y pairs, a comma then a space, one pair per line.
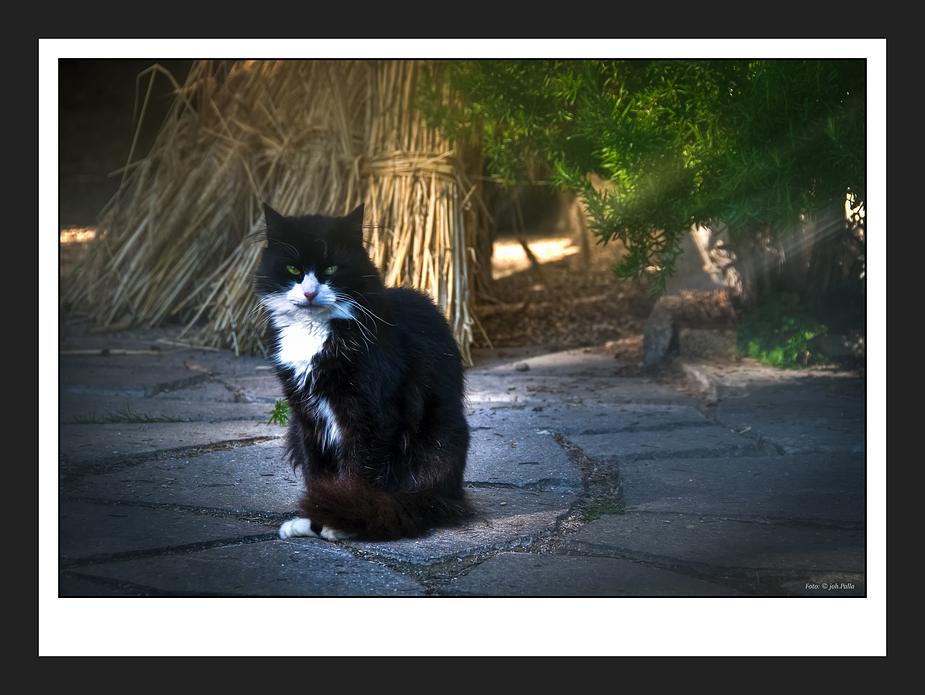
416, 192
183, 234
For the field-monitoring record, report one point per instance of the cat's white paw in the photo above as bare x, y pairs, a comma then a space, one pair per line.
297, 527
303, 528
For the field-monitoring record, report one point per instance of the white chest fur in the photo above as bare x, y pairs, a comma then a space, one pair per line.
298, 345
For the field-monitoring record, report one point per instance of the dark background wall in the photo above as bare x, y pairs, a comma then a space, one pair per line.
96, 101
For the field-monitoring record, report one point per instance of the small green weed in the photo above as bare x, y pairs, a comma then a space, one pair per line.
121, 417
595, 509
280, 414
778, 333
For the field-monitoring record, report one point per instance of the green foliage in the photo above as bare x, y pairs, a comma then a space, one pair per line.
520, 111
778, 333
799, 141
280, 413
754, 144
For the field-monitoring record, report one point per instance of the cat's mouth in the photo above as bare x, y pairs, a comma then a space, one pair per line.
314, 308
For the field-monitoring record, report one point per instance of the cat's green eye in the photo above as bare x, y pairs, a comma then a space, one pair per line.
330, 270
292, 269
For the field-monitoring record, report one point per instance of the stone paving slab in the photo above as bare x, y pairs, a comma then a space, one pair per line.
580, 376
90, 409
72, 585
136, 376
89, 530
592, 418
628, 419
798, 411
141, 372
153, 383
818, 487
103, 444
513, 387
295, 567
688, 441
194, 506
508, 454
252, 478
722, 546
520, 574
820, 425
78, 347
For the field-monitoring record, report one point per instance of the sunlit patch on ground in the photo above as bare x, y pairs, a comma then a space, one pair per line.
509, 256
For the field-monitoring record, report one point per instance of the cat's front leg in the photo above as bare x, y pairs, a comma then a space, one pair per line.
303, 528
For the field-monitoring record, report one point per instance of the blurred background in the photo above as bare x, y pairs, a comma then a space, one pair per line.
524, 269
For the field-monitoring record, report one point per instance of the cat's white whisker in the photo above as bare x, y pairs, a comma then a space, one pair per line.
369, 312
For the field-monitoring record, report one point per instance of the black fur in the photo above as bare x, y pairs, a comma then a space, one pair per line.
393, 378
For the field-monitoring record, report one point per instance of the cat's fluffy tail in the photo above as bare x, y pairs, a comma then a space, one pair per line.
357, 509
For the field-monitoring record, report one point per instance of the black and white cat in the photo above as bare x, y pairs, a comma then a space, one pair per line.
374, 381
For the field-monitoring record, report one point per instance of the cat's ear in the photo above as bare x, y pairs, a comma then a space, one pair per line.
353, 225
274, 221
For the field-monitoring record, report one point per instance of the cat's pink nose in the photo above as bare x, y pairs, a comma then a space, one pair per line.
310, 296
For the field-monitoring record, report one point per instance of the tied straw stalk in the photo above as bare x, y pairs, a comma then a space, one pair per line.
183, 235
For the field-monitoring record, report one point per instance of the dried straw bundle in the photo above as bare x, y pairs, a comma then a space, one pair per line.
183, 232
416, 191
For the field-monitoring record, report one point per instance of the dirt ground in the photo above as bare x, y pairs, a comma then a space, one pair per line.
564, 304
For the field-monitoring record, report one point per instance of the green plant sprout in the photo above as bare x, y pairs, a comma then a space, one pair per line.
280, 414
